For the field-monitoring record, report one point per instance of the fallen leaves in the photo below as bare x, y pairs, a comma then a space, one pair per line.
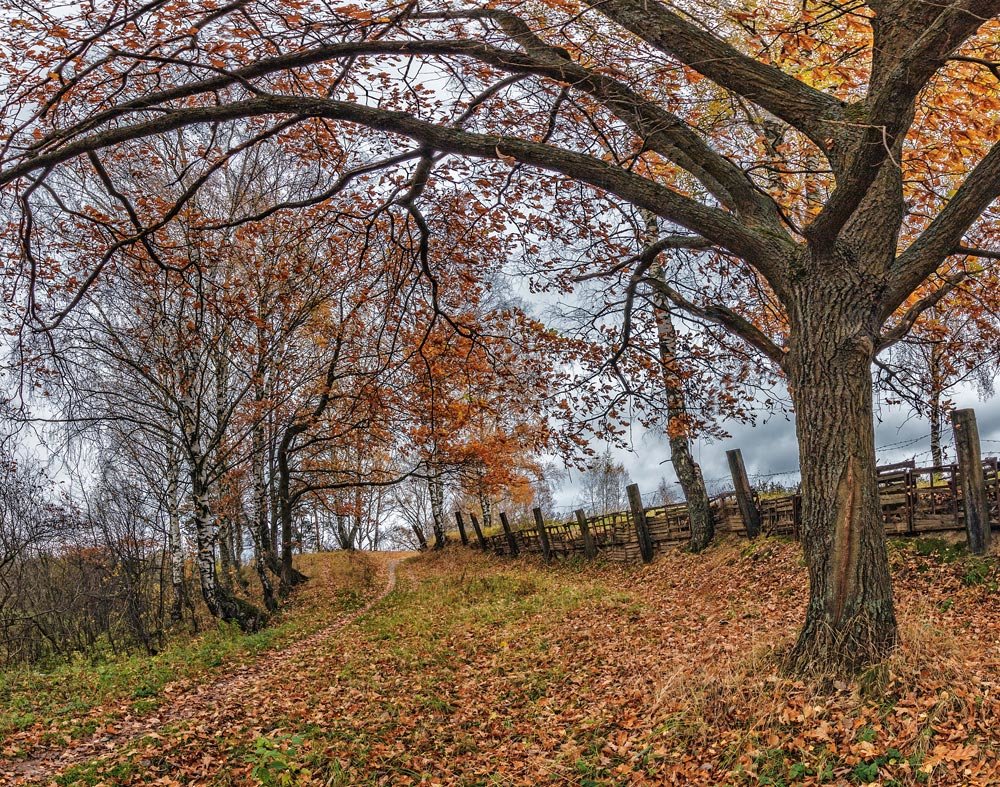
481, 670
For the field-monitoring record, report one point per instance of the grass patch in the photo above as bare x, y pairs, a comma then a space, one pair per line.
61, 697
941, 550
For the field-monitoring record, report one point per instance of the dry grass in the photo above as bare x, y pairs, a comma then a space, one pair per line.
486, 671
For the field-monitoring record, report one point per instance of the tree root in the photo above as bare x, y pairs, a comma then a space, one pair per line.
847, 650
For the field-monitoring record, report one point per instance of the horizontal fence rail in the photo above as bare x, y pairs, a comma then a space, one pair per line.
915, 501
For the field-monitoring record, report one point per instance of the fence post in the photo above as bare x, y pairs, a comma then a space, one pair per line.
641, 528
589, 546
479, 531
749, 512
911, 499
543, 535
461, 529
970, 464
511, 541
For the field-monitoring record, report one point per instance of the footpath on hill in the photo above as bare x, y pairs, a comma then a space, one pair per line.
479, 670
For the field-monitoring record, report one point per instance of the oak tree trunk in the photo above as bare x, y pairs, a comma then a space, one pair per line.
850, 622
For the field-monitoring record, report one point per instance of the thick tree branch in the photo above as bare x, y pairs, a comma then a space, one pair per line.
660, 130
913, 41
929, 301
766, 252
799, 105
944, 234
970, 251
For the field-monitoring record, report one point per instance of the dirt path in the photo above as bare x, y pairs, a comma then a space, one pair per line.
220, 698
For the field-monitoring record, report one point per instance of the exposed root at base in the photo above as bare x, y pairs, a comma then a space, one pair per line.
848, 651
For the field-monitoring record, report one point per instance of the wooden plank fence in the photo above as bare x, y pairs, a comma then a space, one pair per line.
915, 501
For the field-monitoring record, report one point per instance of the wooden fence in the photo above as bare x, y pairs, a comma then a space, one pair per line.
915, 500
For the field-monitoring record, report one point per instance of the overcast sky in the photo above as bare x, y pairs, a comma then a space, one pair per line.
770, 448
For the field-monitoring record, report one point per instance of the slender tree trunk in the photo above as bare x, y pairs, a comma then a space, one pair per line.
263, 574
486, 506
262, 537
376, 538
936, 376
225, 556
220, 602
937, 455
264, 560
221, 367
359, 512
850, 622
435, 486
176, 544
679, 428
290, 576
343, 534
272, 493
421, 538
230, 554
236, 543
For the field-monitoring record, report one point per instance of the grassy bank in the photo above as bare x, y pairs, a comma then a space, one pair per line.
485, 671
68, 700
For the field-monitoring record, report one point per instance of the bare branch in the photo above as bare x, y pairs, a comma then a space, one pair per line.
727, 318
929, 301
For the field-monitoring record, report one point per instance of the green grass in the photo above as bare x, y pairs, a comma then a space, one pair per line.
58, 696
62, 696
940, 549
507, 612
91, 773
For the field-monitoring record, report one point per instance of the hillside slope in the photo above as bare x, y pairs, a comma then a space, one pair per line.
478, 670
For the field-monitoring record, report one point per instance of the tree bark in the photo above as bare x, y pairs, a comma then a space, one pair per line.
344, 536
290, 576
225, 555
850, 622
936, 376
486, 505
176, 544
435, 486
263, 574
262, 534
220, 602
359, 510
679, 428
